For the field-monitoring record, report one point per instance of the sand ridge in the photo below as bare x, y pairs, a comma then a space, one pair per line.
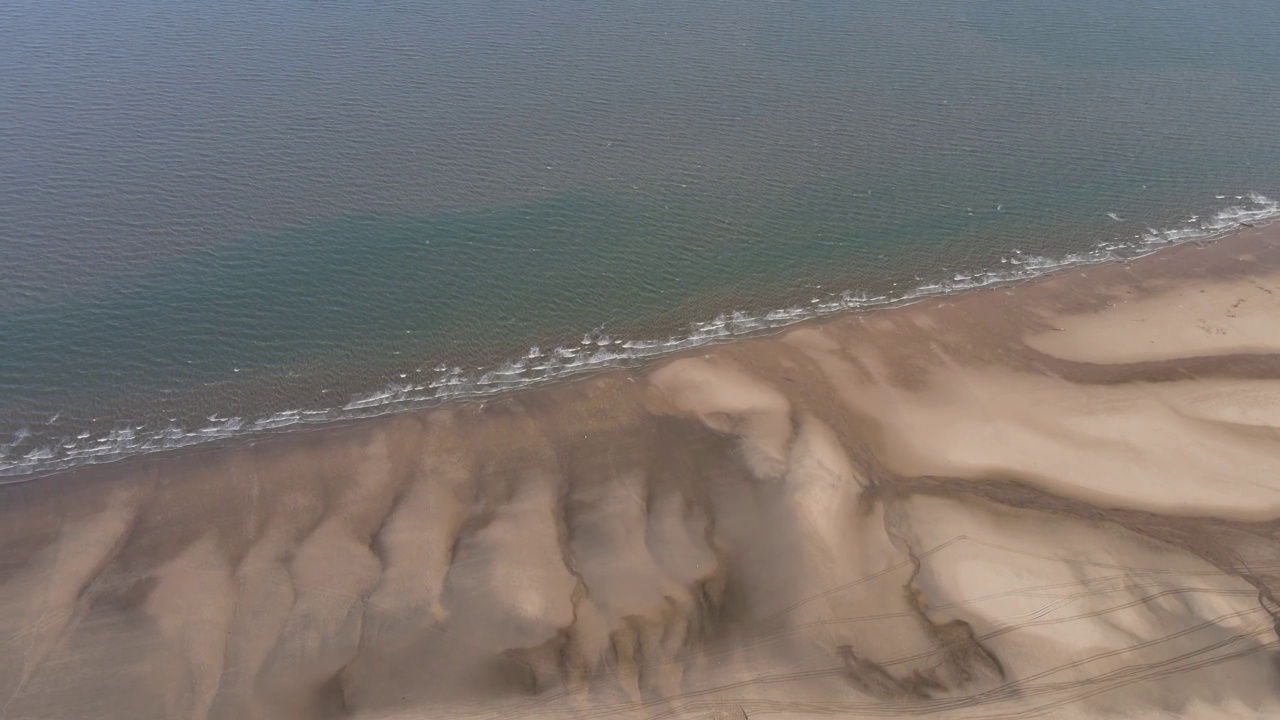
1003, 504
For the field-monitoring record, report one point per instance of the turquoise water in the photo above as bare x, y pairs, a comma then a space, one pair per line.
222, 218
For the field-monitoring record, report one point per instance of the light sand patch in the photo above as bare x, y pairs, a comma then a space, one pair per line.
508, 585
49, 596
332, 572
193, 603
730, 401
1147, 446
1182, 320
1093, 614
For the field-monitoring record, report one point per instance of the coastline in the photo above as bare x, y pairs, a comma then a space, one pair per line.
1053, 497
51, 450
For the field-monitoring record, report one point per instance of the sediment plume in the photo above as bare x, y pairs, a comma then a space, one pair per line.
1060, 499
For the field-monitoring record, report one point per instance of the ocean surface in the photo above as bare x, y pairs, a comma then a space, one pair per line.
235, 217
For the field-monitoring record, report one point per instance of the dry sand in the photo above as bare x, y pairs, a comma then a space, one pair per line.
1054, 500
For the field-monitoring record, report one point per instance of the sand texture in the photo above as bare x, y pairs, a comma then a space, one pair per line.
1055, 500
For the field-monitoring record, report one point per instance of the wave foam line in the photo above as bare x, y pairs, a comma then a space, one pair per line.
598, 351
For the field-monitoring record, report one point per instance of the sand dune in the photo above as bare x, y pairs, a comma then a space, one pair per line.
1009, 504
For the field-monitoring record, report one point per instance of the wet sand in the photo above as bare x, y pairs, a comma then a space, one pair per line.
1060, 499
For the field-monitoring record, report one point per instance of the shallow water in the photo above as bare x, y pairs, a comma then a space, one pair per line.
221, 218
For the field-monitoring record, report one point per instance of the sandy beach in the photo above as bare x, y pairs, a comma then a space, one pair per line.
1058, 499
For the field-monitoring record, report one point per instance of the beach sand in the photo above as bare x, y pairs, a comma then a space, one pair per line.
1059, 499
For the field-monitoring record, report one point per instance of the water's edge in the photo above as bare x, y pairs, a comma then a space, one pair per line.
26, 457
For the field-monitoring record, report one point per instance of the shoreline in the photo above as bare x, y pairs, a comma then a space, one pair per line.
252, 438
601, 355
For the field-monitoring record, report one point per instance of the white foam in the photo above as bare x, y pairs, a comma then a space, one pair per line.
597, 351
